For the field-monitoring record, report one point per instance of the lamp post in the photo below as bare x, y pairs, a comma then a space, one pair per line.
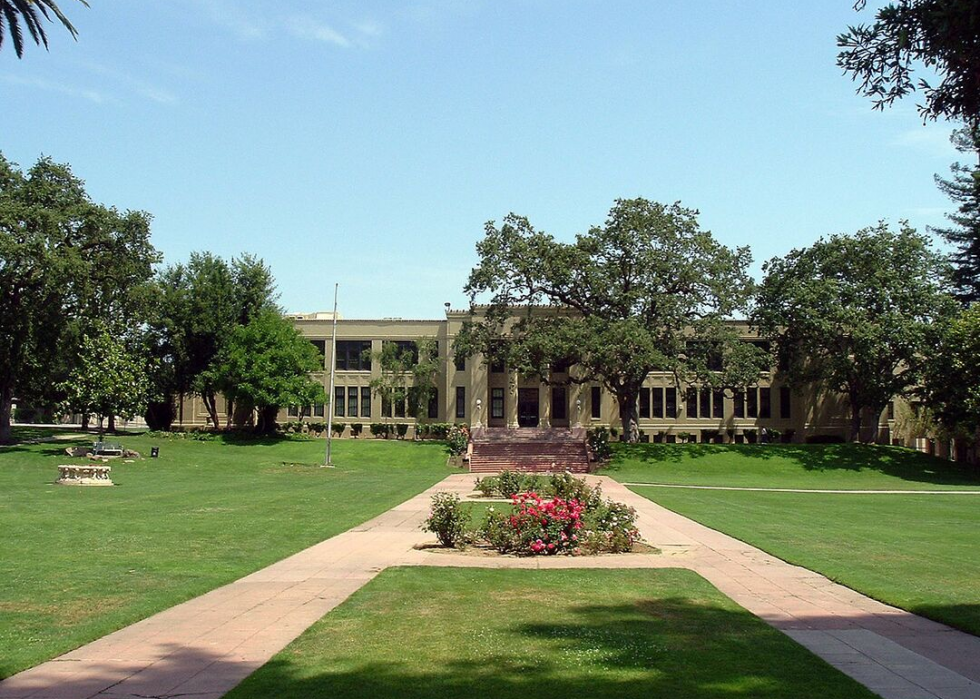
333, 370
578, 412
479, 412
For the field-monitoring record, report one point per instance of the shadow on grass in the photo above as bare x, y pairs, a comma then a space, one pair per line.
899, 462
656, 648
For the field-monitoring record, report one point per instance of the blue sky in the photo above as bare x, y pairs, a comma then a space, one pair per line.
366, 143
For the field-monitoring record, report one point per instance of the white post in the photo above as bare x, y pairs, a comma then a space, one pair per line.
333, 370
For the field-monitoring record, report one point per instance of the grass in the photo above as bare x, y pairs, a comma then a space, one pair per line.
826, 466
917, 552
81, 562
518, 633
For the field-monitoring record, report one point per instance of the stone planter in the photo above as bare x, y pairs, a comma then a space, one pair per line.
86, 474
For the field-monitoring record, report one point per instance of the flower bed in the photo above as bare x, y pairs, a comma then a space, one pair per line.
573, 520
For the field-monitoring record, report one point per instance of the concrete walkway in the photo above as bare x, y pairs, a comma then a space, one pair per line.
823, 491
206, 646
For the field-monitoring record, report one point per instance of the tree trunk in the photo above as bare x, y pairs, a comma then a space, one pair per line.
855, 435
210, 404
629, 417
267, 419
6, 403
111, 426
85, 420
876, 411
229, 412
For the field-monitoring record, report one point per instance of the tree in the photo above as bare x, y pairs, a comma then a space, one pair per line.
851, 314
941, 35
951, 384
33, 13
964, 233
108, 380
66, 263
266, 365
408, 373
649, 290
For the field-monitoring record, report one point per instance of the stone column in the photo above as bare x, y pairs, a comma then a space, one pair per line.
544, 405
510, 399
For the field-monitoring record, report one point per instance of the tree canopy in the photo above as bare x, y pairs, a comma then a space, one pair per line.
265, 365
951, 384
940, 35
408, 374
648, 290
33, 14
852, 314
963, 188
66, 263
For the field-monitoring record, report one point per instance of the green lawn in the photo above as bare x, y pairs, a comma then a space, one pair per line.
518, 633
918, 552
829, 466
80, 562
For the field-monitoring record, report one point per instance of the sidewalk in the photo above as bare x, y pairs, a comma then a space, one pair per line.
207, 645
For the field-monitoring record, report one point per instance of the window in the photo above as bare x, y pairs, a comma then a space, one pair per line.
559, 403
658, 402
338, 401
293, 411
752, 402
692, 402
644, 402
891, 410
321, 347
705, 409
497, 366
409, 347
385, 406
785, 406
433, 411
596, 402
365, 401
739, 401
765, 402
399, 404
497, 403
671, 402
461, 401
460, 361
352, 394
718, 404
354, 355
318, 410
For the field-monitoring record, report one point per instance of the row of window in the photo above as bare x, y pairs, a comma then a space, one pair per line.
661, 402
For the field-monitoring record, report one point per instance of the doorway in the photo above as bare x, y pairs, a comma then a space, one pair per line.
527, 407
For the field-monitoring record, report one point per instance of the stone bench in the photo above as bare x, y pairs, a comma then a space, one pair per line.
85, 474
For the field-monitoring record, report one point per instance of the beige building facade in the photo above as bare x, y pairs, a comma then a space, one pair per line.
470, 391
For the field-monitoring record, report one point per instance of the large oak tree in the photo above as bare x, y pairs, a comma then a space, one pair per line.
648, 290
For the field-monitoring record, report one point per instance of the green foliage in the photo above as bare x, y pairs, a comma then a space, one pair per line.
33, 14
568, 487
408, 374
497, 531
511, 483
266, 365
939, 35
355, 429
338, 428
380, 429
952, 375
401, 429
67, 264
488, 486
458, 439
964, 232
609, 527
598, 438
447, 519
632, 294
851, 314
107, 380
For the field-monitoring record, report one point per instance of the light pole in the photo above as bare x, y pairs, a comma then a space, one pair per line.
333, 370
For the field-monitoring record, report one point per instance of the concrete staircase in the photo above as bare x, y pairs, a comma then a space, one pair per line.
528, 449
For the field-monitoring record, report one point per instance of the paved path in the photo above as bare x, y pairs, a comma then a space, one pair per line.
206, 646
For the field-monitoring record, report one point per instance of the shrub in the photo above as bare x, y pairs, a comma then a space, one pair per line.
447, 519
458, 439
545, 527
511, 483
685, 437
488, 486
598, 438
610, 527
439, 430
787, 436
380, 429
338, 428
567, 487
750, 436
355, 429
421, 431
401, 429
498, 532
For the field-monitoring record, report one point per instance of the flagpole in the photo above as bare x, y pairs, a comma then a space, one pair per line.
333, 368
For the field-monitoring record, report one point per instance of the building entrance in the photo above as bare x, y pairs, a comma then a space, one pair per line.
527, 407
